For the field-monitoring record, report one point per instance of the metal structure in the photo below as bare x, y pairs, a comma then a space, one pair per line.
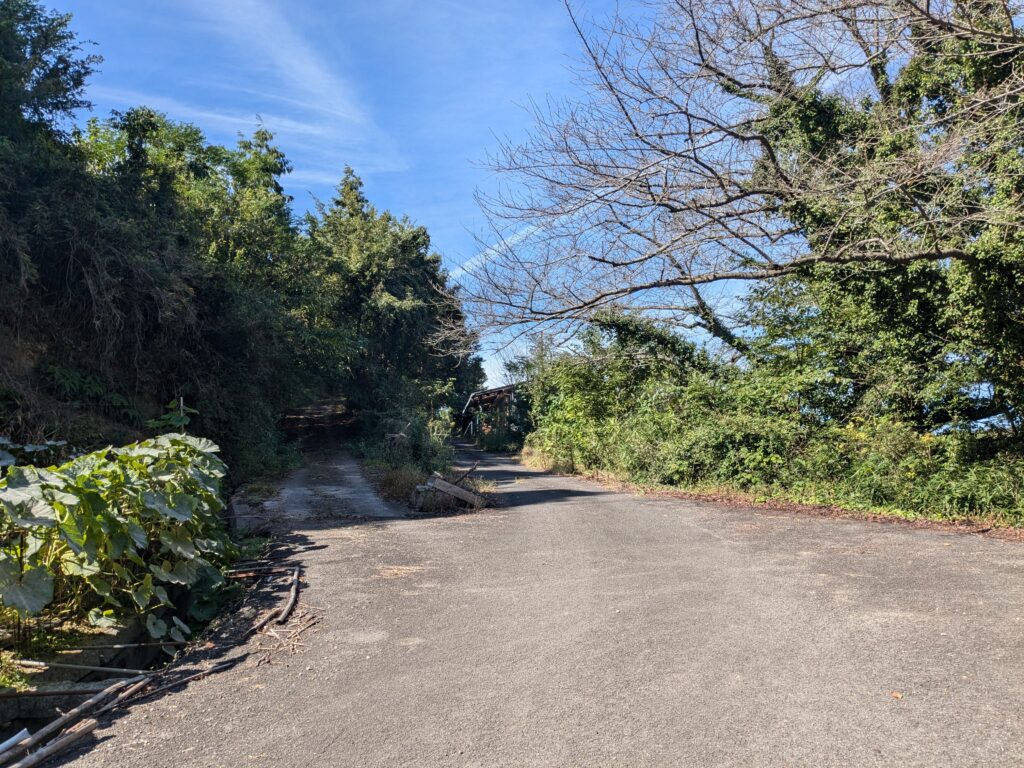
488, 409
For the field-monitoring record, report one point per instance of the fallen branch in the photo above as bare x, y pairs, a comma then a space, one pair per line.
292, 598
278, 554
174, 684
288, 641
257, 567
463, 475
253, 574
262, 622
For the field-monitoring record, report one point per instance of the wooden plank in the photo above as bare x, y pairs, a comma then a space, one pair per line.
453, 490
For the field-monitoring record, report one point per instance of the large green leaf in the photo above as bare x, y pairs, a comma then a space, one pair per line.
143, 592
166, 572
102, 618
181, 625
72, 531
175, 506
199, 443
100, 585
204, 608
78, 565
178, 542
157, 628
138, 534
30, 593
188, 570
27, 510
62, 497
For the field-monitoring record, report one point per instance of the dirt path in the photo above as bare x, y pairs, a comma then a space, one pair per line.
579, 626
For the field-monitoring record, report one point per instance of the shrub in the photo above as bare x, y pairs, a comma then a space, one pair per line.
398, 483
120, 531
739, 430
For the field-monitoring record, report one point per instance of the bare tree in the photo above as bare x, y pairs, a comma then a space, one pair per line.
688, 163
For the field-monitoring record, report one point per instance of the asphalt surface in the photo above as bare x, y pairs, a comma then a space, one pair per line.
575, 626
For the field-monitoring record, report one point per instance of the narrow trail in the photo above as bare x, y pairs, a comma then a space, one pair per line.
574, 625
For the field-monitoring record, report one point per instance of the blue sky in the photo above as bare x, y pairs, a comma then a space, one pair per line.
411, 94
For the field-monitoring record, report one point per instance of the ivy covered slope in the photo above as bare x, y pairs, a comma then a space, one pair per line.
116, 533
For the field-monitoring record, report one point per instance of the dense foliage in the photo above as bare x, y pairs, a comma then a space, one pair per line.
120, 530
139, 264
640, 403
875, 357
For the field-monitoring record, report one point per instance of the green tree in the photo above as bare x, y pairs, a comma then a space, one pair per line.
140, 263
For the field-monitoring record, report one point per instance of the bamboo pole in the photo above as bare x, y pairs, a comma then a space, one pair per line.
55, 692
58, 745
121, 646
69, 717
86, 667
125, 694
174, 684
22, 734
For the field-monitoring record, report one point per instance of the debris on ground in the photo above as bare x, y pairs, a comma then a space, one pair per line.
438, 485
285, 640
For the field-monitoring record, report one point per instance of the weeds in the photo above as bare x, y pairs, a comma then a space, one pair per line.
118, 532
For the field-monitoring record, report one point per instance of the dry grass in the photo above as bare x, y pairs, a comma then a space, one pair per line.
398, 484
437, 503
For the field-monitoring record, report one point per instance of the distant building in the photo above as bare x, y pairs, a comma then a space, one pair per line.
489, 410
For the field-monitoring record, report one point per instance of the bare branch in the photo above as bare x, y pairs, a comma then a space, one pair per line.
745, 140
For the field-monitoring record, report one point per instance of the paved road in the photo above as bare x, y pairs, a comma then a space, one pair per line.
580, 627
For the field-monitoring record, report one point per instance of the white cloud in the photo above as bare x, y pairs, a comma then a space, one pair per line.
265, 71
490, 252
263, 34
234, 120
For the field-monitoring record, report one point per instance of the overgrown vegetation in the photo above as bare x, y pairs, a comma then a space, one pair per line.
642, 404
124, 531
152, 281
408, 452
850, 176
140, 264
